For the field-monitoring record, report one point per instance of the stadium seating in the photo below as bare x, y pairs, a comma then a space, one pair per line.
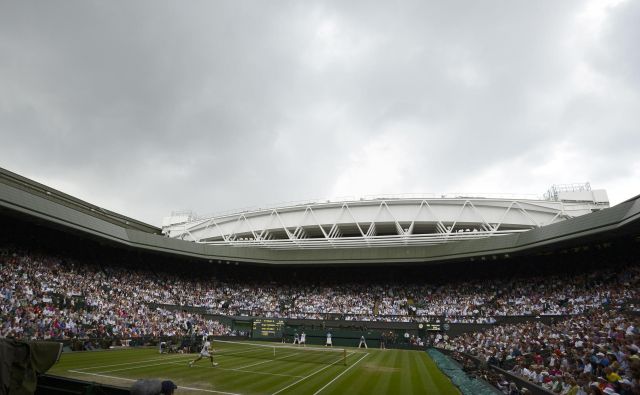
48, 297
595, 341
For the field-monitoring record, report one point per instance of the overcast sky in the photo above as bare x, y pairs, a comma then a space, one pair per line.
145, 107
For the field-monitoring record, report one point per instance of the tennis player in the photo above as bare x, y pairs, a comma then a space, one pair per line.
362, 342
328, 343
303, 339
206, 352
162, 347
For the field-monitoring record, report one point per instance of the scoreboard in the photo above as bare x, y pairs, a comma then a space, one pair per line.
267, 328
432, 327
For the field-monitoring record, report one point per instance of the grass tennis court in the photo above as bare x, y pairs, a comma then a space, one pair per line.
250, 368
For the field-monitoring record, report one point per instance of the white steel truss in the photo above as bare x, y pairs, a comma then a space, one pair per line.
376, 223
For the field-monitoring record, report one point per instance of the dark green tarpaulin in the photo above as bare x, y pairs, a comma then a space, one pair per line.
466, 384
22, 362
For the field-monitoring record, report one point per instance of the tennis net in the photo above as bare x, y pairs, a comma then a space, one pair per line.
331, 356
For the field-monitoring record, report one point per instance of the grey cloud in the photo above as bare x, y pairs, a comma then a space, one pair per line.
216, 105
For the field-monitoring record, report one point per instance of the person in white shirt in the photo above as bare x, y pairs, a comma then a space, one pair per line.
206, 352
329, 342
362, 342
303, 339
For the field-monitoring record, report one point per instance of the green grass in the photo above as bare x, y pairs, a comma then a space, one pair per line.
290, 371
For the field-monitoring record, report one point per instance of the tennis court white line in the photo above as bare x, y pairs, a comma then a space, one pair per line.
141, 366
240, 370
256, 364
338, 376
268, 360
284, 346
101, 375
305, 377
180, 386
143, 361
235, 353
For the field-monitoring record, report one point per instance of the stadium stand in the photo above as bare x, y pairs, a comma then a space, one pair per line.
600, 348
98, 301
562, 318
48, 298
61, 298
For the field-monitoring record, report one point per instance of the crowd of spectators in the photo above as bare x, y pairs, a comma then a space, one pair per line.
31, 276
461, 302
116, 299
587, 354
45, 298
592, 348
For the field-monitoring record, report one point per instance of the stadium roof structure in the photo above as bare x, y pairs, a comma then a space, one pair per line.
35, 189
385, 221
32, 201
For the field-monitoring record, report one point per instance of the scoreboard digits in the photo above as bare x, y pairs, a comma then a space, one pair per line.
266, 328
432, 327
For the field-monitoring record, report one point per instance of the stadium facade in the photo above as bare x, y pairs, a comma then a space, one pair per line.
411, 230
